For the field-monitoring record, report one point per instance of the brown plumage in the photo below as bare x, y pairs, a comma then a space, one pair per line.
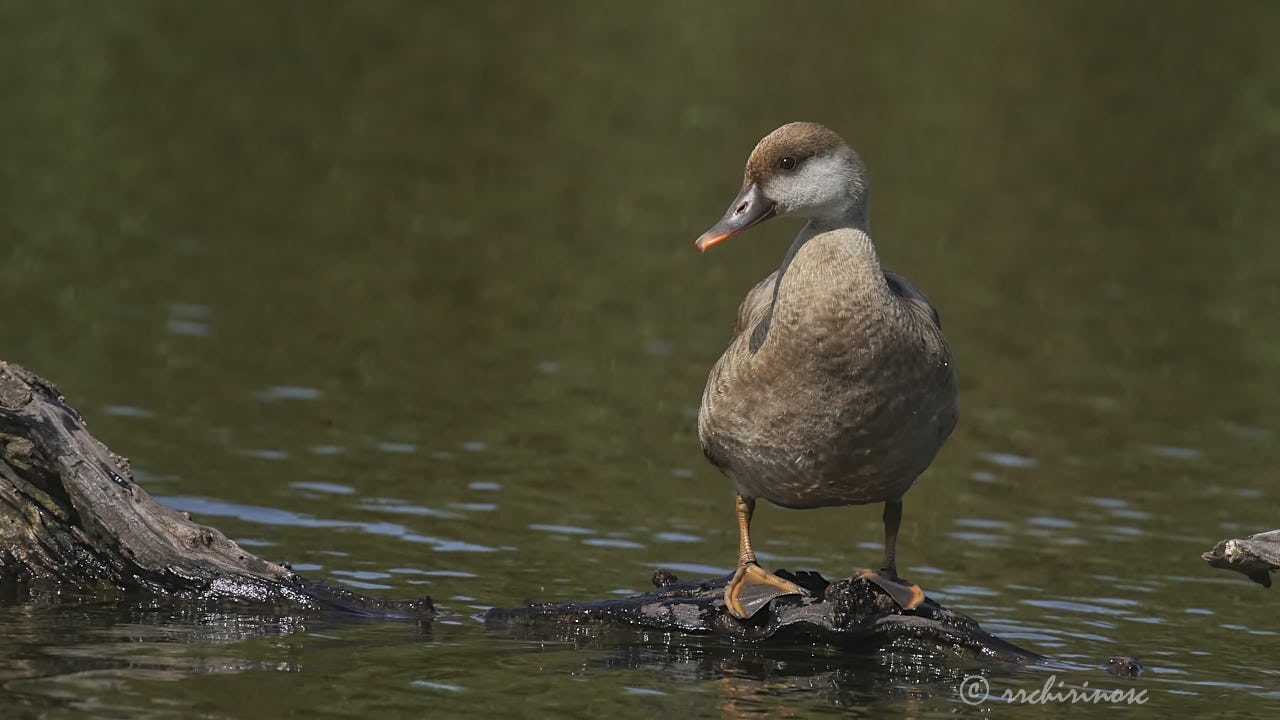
838, 387
802, 140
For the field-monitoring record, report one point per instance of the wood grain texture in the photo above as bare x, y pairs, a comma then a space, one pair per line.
73, 520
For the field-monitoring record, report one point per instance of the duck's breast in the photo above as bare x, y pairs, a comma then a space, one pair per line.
846, 401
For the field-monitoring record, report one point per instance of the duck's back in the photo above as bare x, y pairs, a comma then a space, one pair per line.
849, 392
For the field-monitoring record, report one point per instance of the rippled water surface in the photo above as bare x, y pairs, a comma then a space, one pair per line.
405, 295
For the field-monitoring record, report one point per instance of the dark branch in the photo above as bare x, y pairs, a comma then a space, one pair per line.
850, 613
1257, 556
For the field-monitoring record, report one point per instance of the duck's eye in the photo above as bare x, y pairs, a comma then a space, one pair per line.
787, 163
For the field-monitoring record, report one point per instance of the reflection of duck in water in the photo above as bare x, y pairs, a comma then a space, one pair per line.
838, 387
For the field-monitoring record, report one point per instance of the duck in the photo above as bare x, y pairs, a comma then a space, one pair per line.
838, 386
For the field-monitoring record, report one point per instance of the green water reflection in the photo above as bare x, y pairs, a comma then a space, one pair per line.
405, 293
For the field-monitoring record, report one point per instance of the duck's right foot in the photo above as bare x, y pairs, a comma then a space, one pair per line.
752, 588
906, 594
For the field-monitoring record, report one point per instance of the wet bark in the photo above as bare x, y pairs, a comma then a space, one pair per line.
72, 520
851, 614
1256, 556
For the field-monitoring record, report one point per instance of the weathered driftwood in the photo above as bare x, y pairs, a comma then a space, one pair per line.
1257, 556
850, 614
73, 520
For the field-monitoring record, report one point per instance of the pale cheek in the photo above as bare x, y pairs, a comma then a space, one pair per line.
797, 193
820, 183
826, 180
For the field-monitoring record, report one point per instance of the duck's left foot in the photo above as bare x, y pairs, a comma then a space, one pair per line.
906, 594
752, 588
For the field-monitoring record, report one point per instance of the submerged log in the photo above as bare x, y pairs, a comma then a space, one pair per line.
72, 520
1256, 556
851, 614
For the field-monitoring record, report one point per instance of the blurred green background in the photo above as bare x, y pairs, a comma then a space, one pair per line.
405, 293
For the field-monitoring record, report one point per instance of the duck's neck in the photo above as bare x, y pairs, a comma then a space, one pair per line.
854, 220
854, 215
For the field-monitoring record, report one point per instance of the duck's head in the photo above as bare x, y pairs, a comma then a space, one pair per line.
799, 169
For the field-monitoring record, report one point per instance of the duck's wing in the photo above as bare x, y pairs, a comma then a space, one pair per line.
910, 295
755, 305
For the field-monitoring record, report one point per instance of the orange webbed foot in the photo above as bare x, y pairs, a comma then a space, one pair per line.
906, 594
752, 588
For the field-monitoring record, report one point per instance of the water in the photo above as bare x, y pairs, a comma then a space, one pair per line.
405, 295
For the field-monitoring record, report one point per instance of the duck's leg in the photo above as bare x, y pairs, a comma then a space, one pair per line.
752, 587
908, 595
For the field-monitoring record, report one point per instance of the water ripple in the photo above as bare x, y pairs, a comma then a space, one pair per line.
1071, 606
677, 537
128, 411
613, 542
287, 392
274, 516
1008, 459
562, 529
324, 487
